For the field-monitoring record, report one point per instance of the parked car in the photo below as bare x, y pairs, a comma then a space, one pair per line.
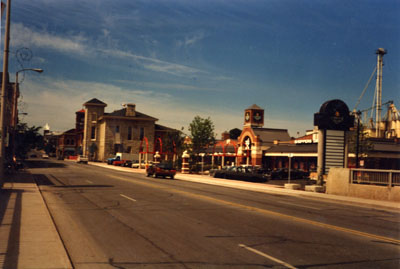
127, 163
135, 164
111, 160
283, 173
82, 159
161, 169
241, 173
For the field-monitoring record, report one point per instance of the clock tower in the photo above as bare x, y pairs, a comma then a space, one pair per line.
254, 116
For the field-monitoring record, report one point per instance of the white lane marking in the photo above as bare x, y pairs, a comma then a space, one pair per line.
287, 203
129, 198
88, 181
267, 256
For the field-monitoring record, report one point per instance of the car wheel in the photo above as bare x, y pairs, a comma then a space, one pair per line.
154, 175
148, 174
172, 177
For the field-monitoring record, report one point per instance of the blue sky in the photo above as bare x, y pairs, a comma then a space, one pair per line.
179, 59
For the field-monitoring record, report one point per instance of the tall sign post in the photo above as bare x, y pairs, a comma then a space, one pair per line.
333, 121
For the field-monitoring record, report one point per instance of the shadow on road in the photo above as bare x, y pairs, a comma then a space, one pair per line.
32, 163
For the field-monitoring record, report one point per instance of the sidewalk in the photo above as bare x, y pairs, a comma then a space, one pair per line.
28, 237
265, 188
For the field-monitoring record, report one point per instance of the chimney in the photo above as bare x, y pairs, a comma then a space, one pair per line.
130, 110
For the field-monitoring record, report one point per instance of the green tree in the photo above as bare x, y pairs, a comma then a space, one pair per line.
364, 144
202, 134
235, 133
27, 138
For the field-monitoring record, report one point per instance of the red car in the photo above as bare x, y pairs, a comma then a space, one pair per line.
161, 169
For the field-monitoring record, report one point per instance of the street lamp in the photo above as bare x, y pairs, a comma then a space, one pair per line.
15, 103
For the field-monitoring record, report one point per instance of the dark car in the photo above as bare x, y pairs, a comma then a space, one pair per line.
241, 173
161, 169
283, 173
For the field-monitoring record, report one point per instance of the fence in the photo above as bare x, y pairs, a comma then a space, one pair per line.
388, 178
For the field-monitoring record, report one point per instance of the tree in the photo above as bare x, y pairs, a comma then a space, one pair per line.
364, 143
235, 133
27, 138
202, 134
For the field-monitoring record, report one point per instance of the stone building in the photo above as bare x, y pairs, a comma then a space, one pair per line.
126, 130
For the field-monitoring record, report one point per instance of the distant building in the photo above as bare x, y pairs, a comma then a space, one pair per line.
255, 140
126, 130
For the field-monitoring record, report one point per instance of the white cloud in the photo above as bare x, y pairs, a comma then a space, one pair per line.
22, 36
191, 40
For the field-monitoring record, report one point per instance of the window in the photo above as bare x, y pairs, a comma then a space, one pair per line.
94, 117
141, 133
117, 129
93, 133
129, 133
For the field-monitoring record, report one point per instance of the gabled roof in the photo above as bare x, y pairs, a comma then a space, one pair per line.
159, 127
269, 135
70, 131
254, 107
122, 113
95, 101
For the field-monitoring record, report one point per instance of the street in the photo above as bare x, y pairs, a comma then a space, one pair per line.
114, 219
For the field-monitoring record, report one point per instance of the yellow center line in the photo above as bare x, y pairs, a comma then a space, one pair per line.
271, 213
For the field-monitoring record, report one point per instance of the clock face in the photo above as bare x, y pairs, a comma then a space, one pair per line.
257, 116
247, 116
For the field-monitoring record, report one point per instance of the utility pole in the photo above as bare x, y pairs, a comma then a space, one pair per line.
3, 131
380, 52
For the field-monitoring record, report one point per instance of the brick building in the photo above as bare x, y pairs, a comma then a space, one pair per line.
126, 130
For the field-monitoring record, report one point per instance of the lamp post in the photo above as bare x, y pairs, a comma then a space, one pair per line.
3, 92
15, 104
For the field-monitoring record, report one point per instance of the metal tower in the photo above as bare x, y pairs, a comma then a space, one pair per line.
380, 52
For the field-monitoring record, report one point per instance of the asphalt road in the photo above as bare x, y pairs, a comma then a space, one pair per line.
113, 219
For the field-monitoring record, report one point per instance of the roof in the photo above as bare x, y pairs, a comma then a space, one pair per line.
80, 111
70, 131
300, 148
254, 107
122, 113
164, 128
95, 101
270, 135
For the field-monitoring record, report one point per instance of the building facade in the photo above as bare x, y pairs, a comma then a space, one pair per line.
255, 140
126, 130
